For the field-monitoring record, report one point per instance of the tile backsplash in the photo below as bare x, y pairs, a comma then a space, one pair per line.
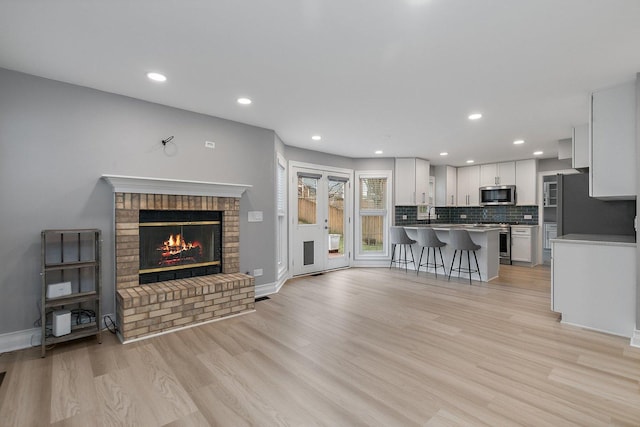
474, 214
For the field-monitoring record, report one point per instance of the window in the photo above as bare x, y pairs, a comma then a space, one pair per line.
281, 224
373, 207
307, 199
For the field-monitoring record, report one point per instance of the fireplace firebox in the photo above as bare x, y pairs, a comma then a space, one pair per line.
179, 244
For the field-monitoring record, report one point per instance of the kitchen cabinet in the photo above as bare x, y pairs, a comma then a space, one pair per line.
498, 174
432, 191
580, 147
526, 182
549, 231
550, 194
411, 182
612, 143
468, 186
446, 185
523, 245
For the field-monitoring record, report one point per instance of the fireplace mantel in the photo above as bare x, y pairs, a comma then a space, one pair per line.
138, 184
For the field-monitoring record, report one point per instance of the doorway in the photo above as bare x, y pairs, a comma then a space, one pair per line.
321, 219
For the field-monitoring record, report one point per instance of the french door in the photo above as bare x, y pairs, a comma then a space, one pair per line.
321, 218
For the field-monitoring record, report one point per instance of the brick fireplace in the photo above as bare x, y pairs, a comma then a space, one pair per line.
149, 309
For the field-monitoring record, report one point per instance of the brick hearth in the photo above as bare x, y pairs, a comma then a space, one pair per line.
144, 310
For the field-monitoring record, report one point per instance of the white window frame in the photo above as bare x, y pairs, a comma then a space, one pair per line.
385, 213
282, 223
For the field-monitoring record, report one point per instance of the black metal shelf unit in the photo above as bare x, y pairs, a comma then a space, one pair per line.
74, 256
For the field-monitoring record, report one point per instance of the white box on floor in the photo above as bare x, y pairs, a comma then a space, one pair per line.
61, 323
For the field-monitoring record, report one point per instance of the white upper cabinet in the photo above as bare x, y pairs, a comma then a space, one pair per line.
411, 182
526, 182
503, 173
580, 146
446, 185
469, 186
612, 172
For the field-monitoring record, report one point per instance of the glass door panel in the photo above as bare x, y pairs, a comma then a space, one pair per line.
336, 218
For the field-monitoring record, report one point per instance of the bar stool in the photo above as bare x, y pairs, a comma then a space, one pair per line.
427, 238
460, 240
399, 236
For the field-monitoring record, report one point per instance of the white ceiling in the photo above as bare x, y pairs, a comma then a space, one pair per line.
394, 75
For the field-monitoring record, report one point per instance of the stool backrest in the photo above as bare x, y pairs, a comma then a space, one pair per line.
461, 240
427, 237
399, 236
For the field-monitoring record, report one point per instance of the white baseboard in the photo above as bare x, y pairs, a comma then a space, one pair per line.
635, 339
270, 288
20, 340
372, 263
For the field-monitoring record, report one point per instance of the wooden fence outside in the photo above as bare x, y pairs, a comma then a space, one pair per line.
372, 226
307, 215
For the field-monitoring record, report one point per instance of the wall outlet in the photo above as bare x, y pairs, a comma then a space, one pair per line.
404, 217
463, 216
257, 272
210, 144
528, 217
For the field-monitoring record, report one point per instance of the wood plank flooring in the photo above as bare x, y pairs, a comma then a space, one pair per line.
353, 347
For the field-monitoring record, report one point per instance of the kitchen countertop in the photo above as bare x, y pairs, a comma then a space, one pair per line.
483, 228
598, 239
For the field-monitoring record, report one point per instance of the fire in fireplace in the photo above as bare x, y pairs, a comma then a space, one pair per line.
179, 244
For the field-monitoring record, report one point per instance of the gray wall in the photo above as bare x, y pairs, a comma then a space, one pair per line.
545, 165
317, 158
56, 140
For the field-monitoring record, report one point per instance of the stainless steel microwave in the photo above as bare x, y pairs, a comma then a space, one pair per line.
498, 195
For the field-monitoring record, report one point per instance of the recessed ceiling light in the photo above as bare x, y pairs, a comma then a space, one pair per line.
470, 161
157, 77
244, 101
537, 153
518, 141
475, 116
378, 151
316, 137
444, 153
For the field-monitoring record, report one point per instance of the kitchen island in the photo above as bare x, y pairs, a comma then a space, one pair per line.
485, 235
593, 281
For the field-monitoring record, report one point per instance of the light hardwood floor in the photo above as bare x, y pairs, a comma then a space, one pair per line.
351, 347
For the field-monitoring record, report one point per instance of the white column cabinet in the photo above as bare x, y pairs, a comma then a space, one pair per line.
580, 146
446, 185
469, 186
411, 182
503, 173
422, 182
526, 182
612, 172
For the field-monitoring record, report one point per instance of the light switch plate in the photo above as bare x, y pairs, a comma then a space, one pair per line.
255, 216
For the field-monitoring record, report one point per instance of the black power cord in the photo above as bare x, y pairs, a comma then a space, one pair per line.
111, 325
